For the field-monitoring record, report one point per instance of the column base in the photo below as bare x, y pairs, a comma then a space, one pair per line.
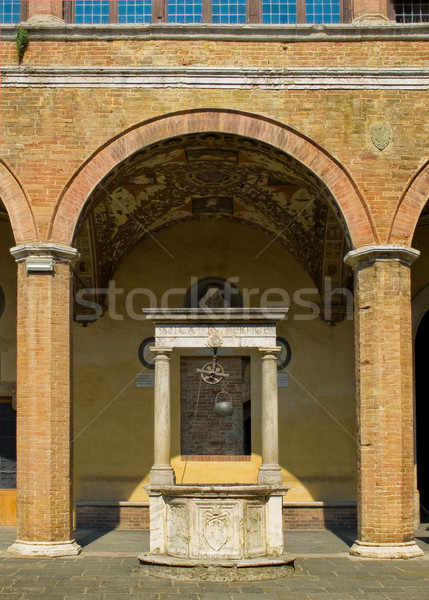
270, 475
376, 18
46, 19
51, 549
401, 550
162, 474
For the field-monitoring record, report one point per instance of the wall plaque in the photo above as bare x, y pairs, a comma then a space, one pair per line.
282, 380
145, 379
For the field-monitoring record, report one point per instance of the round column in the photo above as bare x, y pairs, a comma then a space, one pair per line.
270, 471
162, 472
384, 374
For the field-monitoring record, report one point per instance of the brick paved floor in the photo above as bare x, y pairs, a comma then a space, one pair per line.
107, 569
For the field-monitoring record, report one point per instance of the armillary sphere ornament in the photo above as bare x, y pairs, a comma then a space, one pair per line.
212, 372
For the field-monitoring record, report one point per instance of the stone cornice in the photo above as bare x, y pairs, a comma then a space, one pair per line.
358, 31
368, 255
57, 252
215, 77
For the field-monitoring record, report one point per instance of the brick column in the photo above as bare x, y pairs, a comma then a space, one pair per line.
46, 11
162, 472
44, 401
373, 10
270, 471
384, 374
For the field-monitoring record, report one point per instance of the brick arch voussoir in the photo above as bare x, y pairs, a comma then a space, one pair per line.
355, 212
409, 208
18, 206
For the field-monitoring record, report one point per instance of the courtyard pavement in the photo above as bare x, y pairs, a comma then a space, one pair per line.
107, 569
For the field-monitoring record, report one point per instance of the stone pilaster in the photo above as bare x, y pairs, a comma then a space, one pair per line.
162, 472
384, 374
270, 471
45, 11
44, 401
378, 11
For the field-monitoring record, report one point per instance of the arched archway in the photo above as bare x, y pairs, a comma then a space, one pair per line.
356, 214
11, 201
18, 206
410, 206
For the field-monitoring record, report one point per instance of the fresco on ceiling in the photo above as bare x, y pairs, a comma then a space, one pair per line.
208, 176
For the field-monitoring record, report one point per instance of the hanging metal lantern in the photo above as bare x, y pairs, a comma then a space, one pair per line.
223, 404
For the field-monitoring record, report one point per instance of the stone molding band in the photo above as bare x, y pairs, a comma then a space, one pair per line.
55, 252
368, 255
216, 78
358, 31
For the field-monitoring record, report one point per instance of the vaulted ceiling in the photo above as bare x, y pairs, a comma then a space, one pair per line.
210, 176
4, 217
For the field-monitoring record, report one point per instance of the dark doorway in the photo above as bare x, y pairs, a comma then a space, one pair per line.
422, 415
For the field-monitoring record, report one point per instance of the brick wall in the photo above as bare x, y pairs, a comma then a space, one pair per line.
133, 515
203, 432
73, 123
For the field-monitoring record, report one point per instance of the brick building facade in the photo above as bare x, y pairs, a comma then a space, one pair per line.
308, 142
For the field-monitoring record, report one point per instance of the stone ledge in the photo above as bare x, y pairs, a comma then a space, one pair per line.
185, 569
358, 31
218, 491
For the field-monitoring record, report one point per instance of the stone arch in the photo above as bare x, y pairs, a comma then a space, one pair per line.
409, 207
351, 203
17, 204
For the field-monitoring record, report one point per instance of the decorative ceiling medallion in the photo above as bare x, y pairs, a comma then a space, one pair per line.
212, 205
381, 135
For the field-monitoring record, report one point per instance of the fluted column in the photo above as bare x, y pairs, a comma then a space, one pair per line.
270, 471
44, 441
384, 375
162, 472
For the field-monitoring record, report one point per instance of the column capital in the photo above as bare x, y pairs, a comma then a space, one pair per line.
41, 257
368, 255
160, 350
270, 352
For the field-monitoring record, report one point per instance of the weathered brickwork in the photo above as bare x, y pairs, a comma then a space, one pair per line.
202, 430
113, 516
43, 429
319, 517
121, 516
211, 53
73, 124
385, 407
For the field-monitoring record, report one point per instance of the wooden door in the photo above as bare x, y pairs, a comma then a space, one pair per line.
7, 462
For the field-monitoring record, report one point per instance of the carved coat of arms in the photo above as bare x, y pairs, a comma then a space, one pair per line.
216, 529
381, 135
